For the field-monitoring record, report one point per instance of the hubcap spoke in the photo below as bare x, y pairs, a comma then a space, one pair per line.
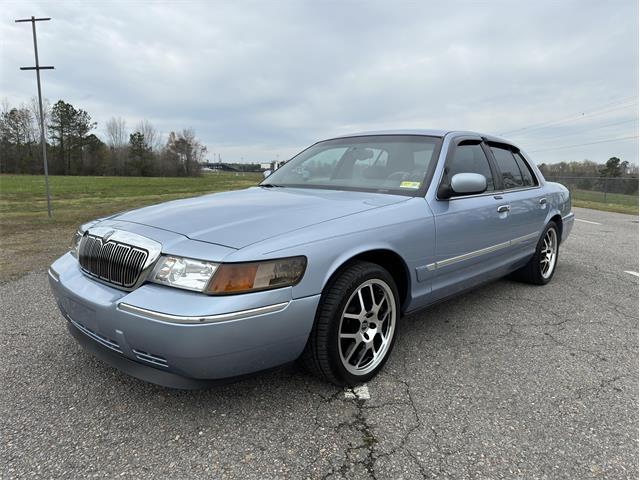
353, 336
361, 356
362, 307
351, 350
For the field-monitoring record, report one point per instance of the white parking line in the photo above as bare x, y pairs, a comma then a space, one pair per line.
632, 273
361, 392
587, 221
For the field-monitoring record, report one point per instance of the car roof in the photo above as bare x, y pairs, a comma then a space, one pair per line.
426, 132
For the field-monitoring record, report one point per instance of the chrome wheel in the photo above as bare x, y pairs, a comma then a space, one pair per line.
549, 253
366, 327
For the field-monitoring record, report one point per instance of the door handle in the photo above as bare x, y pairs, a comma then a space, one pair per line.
542, 201
504, 208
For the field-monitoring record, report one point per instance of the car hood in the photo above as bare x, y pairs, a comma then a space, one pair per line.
239, 218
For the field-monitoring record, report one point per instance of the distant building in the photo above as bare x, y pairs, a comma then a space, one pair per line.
218, 166
272, 165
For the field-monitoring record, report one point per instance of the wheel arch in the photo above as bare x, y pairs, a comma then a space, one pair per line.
385, 257
557, 219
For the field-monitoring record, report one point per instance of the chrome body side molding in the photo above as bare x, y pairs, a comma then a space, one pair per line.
482, 251
167, 317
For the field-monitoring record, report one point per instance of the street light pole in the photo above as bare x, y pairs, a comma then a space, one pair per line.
37, 68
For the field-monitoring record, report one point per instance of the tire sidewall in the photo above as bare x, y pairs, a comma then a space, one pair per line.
374, 272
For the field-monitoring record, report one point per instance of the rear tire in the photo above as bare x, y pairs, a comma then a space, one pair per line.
355, 326
542, 266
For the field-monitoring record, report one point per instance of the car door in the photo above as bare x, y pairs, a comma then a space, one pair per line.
471, 230
522, 194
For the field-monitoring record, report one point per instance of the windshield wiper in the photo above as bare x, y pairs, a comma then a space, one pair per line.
271, 185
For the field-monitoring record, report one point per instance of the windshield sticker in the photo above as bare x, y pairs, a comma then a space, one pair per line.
409, 184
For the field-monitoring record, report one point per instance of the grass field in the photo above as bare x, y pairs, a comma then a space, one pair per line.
614, 202
29, 239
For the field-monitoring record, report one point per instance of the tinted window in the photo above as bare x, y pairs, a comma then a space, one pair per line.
382, 163
421, 158
469, 158
508, 168
528, 177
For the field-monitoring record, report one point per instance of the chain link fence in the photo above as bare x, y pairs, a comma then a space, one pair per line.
613, 191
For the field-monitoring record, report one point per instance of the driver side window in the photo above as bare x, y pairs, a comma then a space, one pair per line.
469, 157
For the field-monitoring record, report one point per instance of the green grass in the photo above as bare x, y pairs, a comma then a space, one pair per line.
29, 239
615, 202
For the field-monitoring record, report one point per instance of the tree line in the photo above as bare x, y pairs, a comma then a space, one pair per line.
615, 176
73, 148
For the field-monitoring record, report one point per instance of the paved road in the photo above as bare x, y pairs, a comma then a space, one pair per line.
510, 381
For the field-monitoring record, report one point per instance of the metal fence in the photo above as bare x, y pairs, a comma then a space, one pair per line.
620, 190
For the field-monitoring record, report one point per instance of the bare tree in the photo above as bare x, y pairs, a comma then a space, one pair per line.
116, 128
151, 136
183, 153
118, 141
5, 106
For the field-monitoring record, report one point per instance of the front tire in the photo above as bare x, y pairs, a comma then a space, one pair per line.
542, 266
355, 326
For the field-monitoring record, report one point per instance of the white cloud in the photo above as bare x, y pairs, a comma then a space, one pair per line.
257, 79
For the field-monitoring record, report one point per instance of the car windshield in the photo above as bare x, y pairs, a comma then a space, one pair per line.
380, 163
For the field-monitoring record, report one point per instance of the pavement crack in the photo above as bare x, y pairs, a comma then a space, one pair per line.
574, 347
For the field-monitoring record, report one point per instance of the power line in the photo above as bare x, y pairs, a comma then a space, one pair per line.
589, 128
587, 143
574, 118
612, 106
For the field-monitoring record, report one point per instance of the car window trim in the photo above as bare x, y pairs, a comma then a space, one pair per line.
519, 154
455, 142
516, 151
510, 149
496, 193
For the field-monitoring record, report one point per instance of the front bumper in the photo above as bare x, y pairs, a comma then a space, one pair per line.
156, 349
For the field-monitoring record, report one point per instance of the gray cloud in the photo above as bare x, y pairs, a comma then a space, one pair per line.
256, 79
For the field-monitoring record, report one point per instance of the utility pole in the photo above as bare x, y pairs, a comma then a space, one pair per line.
37, 68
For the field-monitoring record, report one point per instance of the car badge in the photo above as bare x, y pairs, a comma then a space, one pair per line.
108, 235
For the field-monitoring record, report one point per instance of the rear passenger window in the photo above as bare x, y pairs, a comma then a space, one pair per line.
468, 157
508, 168
528, 177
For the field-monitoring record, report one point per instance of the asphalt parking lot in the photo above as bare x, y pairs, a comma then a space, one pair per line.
509, 381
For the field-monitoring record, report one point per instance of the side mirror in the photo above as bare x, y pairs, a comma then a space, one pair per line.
463, 184
468, 183
266, 173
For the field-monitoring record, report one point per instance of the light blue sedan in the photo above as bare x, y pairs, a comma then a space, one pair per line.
319, 262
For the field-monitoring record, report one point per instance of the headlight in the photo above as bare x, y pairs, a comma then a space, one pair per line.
228, 278
184, 273
75, 243
254, 276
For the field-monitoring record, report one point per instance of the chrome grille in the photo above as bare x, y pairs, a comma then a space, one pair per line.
112, 261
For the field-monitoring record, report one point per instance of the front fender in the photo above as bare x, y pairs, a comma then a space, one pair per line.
405, 229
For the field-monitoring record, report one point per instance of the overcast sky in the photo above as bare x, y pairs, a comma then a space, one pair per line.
260, 79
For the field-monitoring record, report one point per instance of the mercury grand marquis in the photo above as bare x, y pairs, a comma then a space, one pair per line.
319, 262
